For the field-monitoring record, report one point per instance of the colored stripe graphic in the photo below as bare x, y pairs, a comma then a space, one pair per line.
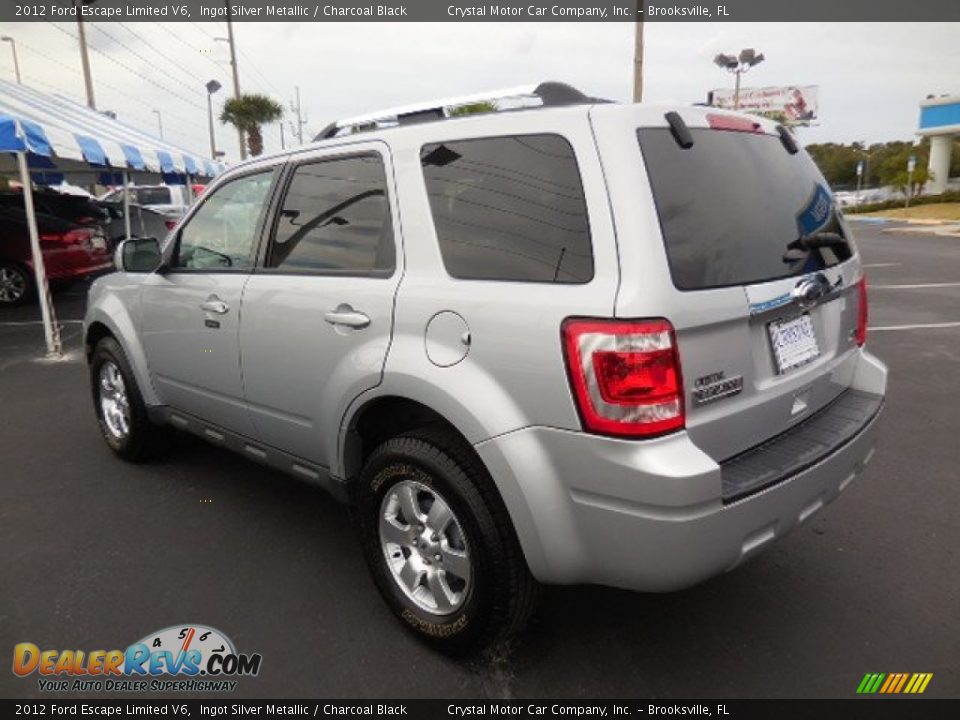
894, 683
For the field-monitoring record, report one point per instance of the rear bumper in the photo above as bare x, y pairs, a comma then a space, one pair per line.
651, 515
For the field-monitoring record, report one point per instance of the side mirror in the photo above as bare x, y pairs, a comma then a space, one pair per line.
139, 255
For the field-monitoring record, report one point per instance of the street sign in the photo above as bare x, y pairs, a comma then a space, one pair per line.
912, 163
860, 168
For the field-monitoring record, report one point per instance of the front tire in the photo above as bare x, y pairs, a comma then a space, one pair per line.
440, 544
121, 412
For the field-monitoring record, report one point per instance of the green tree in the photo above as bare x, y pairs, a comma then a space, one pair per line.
473, 109
247, 113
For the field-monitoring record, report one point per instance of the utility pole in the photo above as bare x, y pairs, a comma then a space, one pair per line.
301, 119
16, 63
283, 144
85, 59
159, 122
638, 61
236, 72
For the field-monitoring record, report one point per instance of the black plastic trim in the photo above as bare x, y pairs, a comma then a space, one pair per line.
800, 447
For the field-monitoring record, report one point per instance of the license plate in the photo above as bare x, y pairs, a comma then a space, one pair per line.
794, 342
98, 243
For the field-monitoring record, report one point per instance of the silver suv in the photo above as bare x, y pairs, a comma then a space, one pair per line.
582, 342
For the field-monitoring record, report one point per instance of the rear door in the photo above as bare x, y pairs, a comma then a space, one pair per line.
318, 312
718, 237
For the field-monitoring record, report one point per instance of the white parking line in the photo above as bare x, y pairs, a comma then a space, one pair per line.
879, 265
914, 327
914, 287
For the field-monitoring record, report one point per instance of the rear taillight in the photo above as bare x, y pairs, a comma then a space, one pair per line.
72, 237
625, 376
171, 224
862, 312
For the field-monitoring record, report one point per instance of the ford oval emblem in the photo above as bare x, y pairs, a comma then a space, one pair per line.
809, 291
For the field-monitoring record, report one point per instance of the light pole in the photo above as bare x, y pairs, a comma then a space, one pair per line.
84, 57
233, 66
13, 49
212, 87
159, 122
738, 65
638, 62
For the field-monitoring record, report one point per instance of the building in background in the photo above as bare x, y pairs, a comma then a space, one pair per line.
940, 121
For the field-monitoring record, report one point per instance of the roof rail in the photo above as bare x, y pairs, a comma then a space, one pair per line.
550, 94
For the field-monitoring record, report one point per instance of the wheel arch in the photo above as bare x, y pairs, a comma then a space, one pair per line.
109, 318
372, 419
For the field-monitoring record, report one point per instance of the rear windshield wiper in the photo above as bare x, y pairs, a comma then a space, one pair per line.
799, 248
823, 239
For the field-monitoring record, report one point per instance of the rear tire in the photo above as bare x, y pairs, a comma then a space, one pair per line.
121, 412
16, 284
454, 572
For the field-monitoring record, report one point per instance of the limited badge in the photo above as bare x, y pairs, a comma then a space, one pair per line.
715, 386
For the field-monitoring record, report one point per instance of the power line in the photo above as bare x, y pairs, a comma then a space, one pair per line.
252, 64
124, 93
183, 42
165, 56
141, 57
130, 69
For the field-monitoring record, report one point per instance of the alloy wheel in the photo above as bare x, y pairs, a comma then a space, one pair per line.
114, 405
13, 285
425, 547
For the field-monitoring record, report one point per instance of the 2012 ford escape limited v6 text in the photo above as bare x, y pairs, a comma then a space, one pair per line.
580, 342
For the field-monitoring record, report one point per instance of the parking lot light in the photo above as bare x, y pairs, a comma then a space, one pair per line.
738, 65
13, 49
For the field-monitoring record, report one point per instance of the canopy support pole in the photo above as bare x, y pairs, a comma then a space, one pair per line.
188, 189
126, 204
51, 330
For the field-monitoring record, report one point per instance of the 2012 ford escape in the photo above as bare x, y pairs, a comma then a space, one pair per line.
576, 343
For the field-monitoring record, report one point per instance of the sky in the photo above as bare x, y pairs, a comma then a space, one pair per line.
871, 75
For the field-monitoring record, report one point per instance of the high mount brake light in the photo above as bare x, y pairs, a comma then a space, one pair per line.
625, 376
733, 123
862, 312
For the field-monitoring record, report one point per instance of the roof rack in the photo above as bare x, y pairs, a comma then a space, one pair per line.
550, 94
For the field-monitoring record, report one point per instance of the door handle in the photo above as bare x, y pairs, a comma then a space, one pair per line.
214, 305
348, 317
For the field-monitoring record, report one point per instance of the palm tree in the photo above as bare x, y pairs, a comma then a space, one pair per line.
247, 113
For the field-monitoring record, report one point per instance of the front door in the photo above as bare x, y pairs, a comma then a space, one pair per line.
191, 309
317, 316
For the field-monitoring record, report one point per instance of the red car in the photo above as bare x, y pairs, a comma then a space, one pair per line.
70, 251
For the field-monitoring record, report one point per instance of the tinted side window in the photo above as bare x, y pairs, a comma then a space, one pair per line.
222, 232
152, 196
335, 219
509, 208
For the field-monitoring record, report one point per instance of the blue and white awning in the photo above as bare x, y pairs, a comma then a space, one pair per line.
74, 137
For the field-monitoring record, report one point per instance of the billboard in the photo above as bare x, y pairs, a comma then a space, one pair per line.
790, 105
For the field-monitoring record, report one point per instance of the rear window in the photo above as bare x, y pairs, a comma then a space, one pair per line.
733, 207
153, 196
509, 208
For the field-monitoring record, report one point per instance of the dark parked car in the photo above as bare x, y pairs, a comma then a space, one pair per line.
70, 250
73, 208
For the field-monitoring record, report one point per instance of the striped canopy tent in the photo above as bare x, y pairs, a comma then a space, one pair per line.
48, 139
63, 139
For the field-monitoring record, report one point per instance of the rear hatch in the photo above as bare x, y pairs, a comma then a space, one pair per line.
737, 240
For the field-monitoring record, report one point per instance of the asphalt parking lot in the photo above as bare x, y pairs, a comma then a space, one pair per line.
97, 553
